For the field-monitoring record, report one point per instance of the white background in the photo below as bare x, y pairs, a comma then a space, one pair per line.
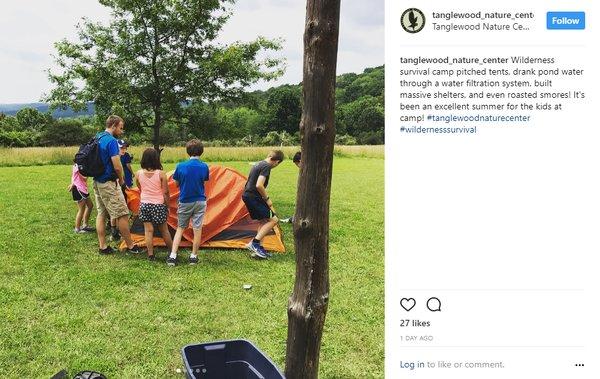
501, 225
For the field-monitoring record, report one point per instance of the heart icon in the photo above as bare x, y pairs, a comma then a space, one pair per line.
407, 304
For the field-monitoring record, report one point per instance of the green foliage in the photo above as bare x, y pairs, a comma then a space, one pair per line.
201, 121
256, 118
351, 87
362, 118
284, 109
9, 123
66, 132
237, 122
13, 138
154, 57
345, 139
33, 120
280, 139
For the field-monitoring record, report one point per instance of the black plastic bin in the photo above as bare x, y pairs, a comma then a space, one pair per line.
234, 359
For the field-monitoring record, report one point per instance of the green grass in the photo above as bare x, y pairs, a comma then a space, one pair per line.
39, 156
62, 305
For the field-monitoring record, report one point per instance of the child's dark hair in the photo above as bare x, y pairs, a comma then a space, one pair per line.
151, 160
297, 157
194, 148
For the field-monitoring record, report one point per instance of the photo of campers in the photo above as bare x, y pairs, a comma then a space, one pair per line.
158, 169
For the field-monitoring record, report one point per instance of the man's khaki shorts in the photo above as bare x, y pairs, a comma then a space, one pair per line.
110, 200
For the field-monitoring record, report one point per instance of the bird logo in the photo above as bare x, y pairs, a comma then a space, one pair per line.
412, 20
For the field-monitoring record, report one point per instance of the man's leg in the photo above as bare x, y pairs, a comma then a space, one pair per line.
101, 217
101, 230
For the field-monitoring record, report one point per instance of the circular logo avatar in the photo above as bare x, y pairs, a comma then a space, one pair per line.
412, 20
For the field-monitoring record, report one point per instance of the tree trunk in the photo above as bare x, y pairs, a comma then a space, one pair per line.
308, 303
156, 127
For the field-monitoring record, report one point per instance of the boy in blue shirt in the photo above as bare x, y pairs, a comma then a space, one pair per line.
190, 177
127, 173
126, 160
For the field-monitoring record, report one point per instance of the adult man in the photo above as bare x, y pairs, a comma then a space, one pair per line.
258, 202
110, 201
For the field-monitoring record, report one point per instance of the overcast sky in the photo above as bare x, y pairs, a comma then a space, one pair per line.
28, 29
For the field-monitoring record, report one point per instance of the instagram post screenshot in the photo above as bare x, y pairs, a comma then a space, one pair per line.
300, 189
192, 189
491, 193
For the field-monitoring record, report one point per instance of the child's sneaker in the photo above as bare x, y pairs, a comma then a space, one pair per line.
135, 249
88, 229
106, 251
265, 252
193, 260
259, 255
78, 231
253, 247
171, 261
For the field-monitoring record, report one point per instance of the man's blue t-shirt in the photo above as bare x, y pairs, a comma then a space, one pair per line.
125, 159
108, 148
191, 176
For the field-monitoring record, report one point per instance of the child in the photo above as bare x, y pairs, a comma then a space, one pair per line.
126, 160
190, 177
154, 197
79, 190
128, 175
297, 158
258, 202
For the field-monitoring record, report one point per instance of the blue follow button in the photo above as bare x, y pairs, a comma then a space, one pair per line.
565, 20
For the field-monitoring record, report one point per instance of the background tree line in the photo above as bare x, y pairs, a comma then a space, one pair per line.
269, 117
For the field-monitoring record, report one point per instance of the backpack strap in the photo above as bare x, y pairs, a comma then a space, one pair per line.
102, 134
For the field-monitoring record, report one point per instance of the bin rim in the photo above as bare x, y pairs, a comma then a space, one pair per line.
187, 364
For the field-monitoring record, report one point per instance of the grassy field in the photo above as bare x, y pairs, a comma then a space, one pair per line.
62, 305
37, 156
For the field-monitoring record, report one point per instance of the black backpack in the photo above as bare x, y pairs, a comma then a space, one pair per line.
88, 158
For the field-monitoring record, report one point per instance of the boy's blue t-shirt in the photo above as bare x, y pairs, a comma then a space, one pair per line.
125, 159
109, 147
191, 176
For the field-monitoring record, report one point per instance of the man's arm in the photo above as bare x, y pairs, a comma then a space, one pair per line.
260, 187
116, 161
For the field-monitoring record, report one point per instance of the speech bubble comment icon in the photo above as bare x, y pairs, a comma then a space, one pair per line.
434, 304
407, 303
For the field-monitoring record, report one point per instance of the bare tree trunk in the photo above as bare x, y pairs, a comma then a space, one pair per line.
308, 303
156, 126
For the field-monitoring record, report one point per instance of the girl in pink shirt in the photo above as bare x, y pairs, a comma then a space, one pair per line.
154, 199
79, 190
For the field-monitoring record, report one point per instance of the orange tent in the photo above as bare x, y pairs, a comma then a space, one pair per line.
226, 224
